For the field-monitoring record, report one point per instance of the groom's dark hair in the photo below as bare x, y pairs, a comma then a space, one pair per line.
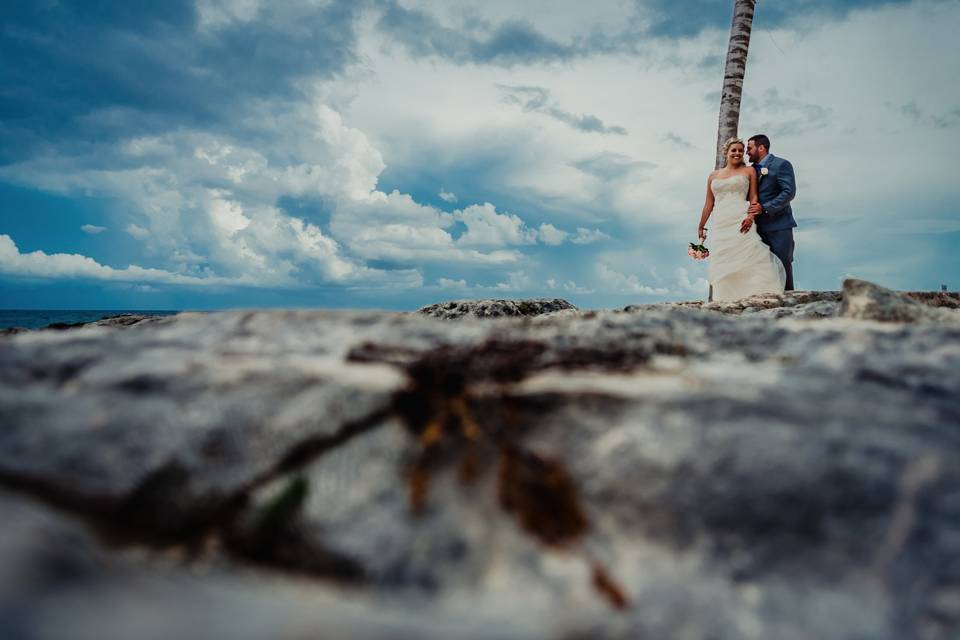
761, 140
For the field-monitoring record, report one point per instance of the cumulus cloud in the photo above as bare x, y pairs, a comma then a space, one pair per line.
516, 281
588, 236
395, 227
699, 287
539, 100
211, 197
550, 235
446, 196
487, 227
92, 229
38, 264
624, 283
569, 286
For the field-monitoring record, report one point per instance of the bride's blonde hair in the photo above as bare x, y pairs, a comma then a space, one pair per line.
732, 141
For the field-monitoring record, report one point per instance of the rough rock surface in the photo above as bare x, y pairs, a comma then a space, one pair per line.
860, 299
495, 308
795, 303
866, 301
127, 320
59, 581
119, 321
675, 471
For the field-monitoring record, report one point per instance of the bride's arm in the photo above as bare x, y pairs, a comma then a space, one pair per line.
753, 198
707, 210
753, 209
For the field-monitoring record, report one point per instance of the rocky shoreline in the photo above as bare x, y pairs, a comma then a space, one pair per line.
780, 467
118, 320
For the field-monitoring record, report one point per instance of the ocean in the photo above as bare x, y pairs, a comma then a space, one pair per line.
39, 318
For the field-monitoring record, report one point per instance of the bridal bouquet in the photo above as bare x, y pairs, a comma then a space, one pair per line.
698, 251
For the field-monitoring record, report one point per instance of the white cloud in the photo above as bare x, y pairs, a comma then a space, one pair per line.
92, 229
568, 286
206, 203
38, 264
699, 287
75, 266
447, 283
405, 243
137, 232
486, 227
447, 196
588, 236
395, 227
516, 281
615, 281
550, 235
215, 14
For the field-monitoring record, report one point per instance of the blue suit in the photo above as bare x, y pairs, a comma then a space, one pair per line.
775, 224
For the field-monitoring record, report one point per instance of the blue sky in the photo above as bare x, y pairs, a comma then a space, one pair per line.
392, 153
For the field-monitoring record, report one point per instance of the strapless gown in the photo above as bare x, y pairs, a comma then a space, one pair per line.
740, 264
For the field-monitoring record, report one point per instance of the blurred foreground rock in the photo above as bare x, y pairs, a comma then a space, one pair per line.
763, 469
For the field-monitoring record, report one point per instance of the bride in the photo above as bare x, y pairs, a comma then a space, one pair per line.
741, 265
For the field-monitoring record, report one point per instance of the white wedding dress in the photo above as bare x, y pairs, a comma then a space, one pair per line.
741, 265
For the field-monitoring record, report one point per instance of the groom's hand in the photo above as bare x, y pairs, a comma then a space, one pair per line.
754, 209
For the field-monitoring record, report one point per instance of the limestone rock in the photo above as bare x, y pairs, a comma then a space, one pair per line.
795, 304
495, 308
164, 424
867, 301
128, 320
121, 321
667, 472
945, 299
61, 581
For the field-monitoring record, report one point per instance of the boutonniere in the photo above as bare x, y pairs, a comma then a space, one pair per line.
764, 171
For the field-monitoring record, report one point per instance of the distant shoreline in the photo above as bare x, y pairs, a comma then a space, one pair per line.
42, 318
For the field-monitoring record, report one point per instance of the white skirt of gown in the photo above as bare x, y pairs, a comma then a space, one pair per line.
741, 265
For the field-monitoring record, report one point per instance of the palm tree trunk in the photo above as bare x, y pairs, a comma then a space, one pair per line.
733, 73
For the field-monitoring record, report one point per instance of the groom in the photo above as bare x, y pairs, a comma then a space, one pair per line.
776, 187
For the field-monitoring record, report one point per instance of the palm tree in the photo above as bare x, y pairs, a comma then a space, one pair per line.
733, 73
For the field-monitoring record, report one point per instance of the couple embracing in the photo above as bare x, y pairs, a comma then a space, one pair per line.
752, 230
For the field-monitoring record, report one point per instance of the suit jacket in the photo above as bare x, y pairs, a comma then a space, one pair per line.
775, 191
